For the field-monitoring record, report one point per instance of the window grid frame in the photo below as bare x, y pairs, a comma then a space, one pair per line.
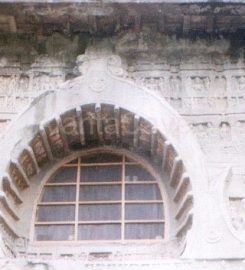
123, 222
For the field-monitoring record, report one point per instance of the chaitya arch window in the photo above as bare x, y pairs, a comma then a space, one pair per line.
102, 197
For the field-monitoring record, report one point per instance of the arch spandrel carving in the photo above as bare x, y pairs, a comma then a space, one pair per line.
54, 126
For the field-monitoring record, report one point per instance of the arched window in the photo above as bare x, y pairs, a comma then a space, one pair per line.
102, 197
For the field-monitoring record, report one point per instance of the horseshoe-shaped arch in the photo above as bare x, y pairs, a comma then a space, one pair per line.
77, 117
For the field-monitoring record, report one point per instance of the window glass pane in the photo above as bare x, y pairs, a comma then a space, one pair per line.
100, 193
56, 213
99, 232
65, 174
144, 211
100, 212
137, 173
101, 158
54, 232
144, 231
99, 218
101, 173
59, 194
142, 192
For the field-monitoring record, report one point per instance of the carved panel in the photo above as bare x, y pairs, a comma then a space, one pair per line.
90, 123
154, 83
237, 213
17, 176
8, 92
127, 127
109, 123
27, 164
220, 86
70, 126
171, 154
175, 86
39, 150
144, 134
3, 124
199, 85
42, 82
55, 139
239, 84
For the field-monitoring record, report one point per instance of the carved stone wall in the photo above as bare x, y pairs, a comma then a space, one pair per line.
199, 78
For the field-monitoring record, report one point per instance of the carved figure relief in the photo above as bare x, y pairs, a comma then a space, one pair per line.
202, 131
39, 150
154, 83
220, 86
225, 131
44, 82
237, 212
175, 86
200, 85
241, 84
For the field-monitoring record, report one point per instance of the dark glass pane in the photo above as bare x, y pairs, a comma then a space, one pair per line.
100, 212
101, 173
137, 173
65, 174
142, 192
56, 213
144, 211
144, 231
99, 232
54, 232
59, 194
100, 193
101, 158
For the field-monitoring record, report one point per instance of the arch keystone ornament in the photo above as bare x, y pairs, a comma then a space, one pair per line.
102, 110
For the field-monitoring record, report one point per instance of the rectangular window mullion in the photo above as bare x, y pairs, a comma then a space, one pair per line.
123, 200
77, 198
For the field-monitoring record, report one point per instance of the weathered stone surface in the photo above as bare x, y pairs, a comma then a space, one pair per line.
171, 62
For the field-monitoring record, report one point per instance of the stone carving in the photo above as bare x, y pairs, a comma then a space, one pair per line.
155, 83
144, 132
203, 131
237, 212
236, 203
8, 92
3, 124
114, 65
44, 82
220, 84
55, 138
27, 164
225, 131
98, 84
175, 86
39, 150
200, 85
241, 84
